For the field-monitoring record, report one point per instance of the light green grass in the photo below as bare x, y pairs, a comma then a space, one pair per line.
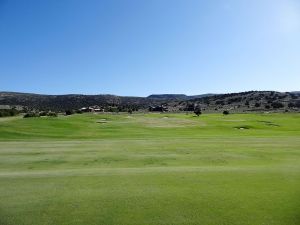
152, 169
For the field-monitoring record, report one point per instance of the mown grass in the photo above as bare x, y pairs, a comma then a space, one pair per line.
149, 169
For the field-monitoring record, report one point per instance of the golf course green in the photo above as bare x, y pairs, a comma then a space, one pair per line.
150, 169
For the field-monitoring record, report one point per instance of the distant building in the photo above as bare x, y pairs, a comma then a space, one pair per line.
94, 108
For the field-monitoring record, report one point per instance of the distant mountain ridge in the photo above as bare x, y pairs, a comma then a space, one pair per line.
239, 102
177, 96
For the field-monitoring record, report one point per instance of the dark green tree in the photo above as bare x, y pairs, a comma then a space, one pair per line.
197, 111
225, 112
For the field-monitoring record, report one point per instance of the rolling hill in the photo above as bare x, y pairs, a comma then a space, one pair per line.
239, 102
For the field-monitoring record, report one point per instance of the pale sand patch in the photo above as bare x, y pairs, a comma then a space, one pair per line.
5, 119
102, 121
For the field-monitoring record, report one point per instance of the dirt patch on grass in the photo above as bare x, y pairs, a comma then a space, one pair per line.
268, 123
102, 121
5, 119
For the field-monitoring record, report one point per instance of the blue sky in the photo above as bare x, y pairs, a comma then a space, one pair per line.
140, 47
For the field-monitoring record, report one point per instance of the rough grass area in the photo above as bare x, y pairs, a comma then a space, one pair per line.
151, 169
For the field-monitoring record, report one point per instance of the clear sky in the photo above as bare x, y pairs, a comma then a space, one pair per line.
140, 47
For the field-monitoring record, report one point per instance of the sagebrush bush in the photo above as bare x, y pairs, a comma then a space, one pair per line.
31, 114
52, 114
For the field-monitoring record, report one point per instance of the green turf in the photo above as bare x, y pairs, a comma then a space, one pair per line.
150, 169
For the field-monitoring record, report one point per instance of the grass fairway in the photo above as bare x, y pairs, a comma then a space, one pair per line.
152, 169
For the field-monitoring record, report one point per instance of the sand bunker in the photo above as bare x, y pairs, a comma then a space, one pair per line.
242, 127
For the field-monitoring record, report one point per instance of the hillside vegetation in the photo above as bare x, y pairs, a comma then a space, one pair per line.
236, 102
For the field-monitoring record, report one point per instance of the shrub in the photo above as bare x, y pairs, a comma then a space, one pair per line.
4, 113
13, 112
52, 114
197, 111
69, 112
8, 112
113, 109
219, 102
31, 114
189, 107
293, 96
277, 105
43, 113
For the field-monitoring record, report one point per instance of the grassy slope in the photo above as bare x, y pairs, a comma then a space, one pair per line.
151, 169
